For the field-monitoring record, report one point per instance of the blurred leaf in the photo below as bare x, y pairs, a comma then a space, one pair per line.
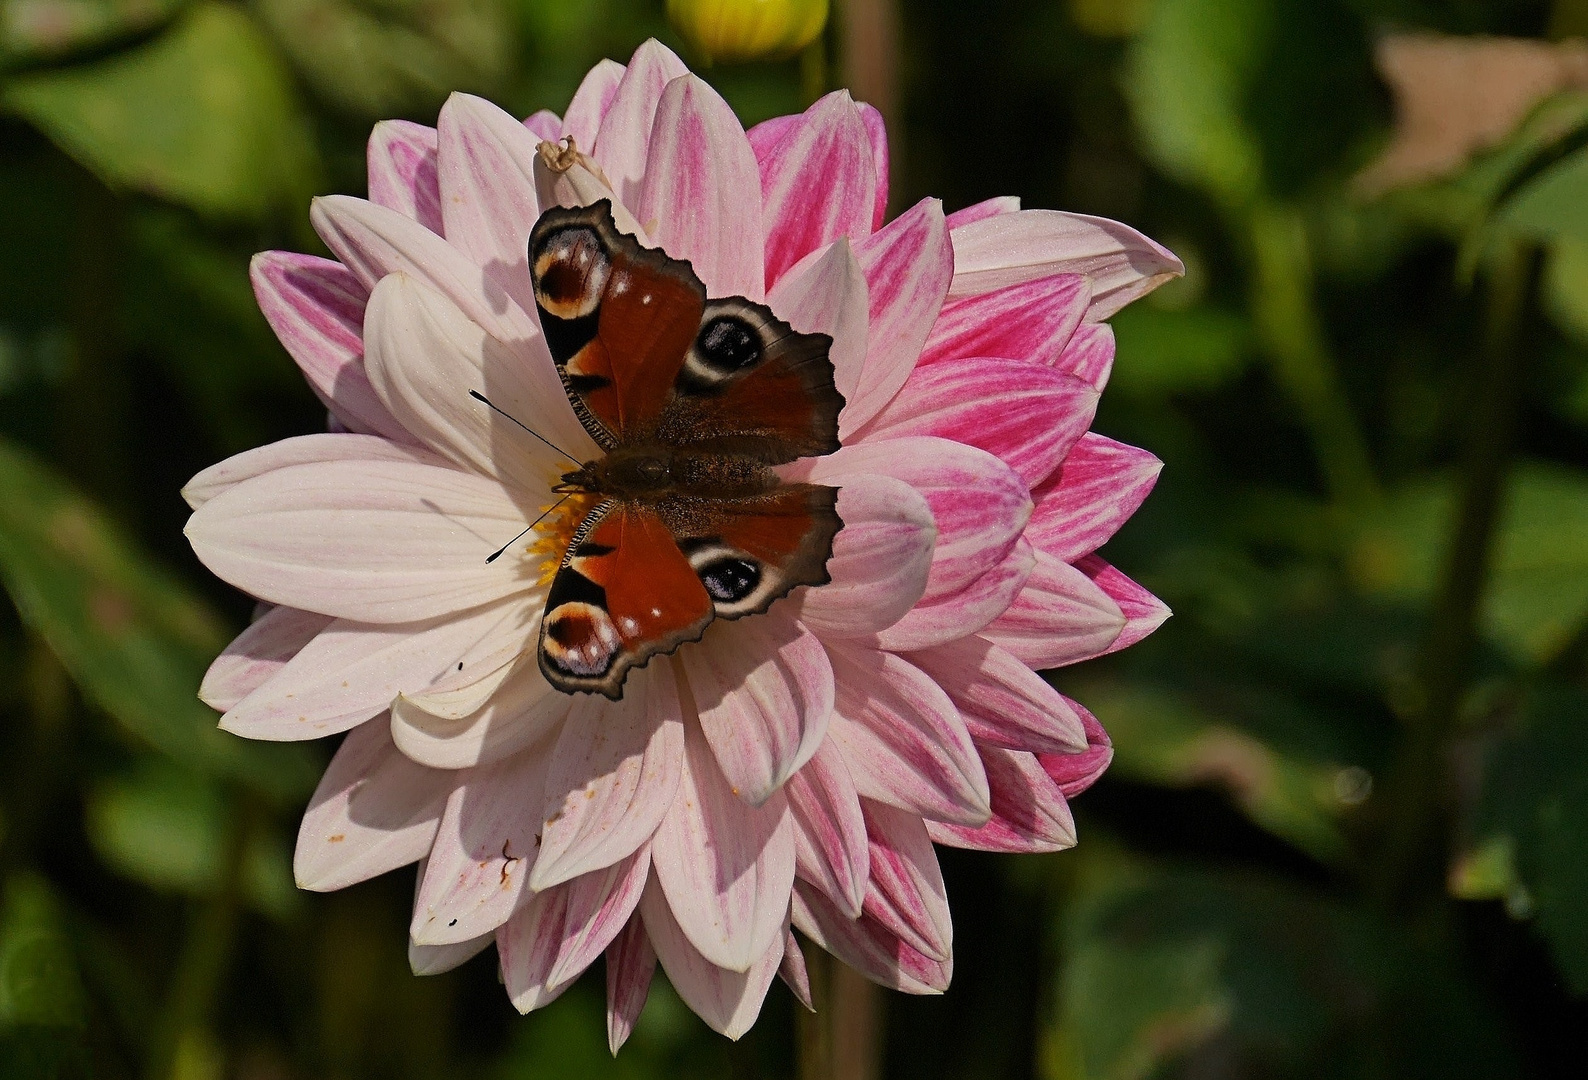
1168, 352
1566, 289
43, 1010
203, 115
48, 29
133, 638
1178, 972
379, 58
1553, 204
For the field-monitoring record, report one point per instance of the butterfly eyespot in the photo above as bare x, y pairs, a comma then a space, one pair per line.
728, 343
571, 271
581, 640
730, 579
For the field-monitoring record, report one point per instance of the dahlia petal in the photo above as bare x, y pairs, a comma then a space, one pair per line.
902, 738
908, 266
877, 132
999, 204
1143, 611
1002, 701
1032, 321
580, 184
1090, 355
298, 450
1074, 773
1060, 617
940, 619
765, 136
763, 689
818, 184
486, 164
483, 851
316, 308
544, 124
439, 959
701, 197
827, 294
907, 896
1096, 489
521, 710
257, 654
373, 811
351, 671
725, 867
1030, 814
728, 1001
830, 847
623, 140
1027, 416
402, 171
865, 946
881, 559
1007, 249
425, 355
590, 103
613, 776
631, 963
795, 975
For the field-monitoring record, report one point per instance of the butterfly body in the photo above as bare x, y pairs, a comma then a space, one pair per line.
694, 402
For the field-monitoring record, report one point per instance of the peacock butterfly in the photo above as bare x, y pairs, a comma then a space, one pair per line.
693, 400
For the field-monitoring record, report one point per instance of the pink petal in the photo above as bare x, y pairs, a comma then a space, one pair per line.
351, 671
299, 450
763, 690
795, 975
765, 136
1060, 617
728, 1001
439, 959
907, 896
316, 308
374, 811
818, 184
867, 947
257, 654
1007, 249
827, 294
1030, 814
376, 541
725, 867
908, 266
1002, 701
1090, 355
999, 204
877, 132
830, 846
631, 962
483, 853
1094, 492
1143, 611
1027, 416
881, 559
519, 712
1031, 321
701, 198
545, 125
623, 140
902, 738
590, 103
1074, 773
402, 171
940, 619
613, 777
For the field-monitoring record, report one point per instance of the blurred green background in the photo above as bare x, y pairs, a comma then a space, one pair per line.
1346, 831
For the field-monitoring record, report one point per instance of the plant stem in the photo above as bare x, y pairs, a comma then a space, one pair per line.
842, 1039
869, 50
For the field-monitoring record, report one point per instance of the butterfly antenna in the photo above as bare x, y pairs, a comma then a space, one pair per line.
477, 396
497, 554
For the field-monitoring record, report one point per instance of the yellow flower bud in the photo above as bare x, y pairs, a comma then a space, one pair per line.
732, 31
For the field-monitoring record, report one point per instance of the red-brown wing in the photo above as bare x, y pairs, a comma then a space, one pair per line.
624, 593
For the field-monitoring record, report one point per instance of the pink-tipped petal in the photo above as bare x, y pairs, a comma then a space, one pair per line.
1002, 701
940, 619
1007, 249
299, 450
827, 294
902, 738
830, 848
1030, 814
613, 776
877, 132
1074, 773
520, 710
818, 184
865, 946
483, 853
725, 867
631, 963
402, 171
795, 975
727, 1000
624, 137
544, 125
908, 266
316, 308
1031, 321
1090, 355
1143, 611
257, 654
1096, 489
907, 896
701, 197
374, 811
589, 104
764, 691
1060, 617
998, 204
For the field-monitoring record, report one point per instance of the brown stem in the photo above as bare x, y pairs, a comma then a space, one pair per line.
842, 1039
869, 35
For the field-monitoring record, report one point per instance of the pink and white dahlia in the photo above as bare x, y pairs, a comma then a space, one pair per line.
790, 769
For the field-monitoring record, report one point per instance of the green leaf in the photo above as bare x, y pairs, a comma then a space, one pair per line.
204, 115
39, 984
49, 29
1566, 288
1167, 352
1553, 204
131, 636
